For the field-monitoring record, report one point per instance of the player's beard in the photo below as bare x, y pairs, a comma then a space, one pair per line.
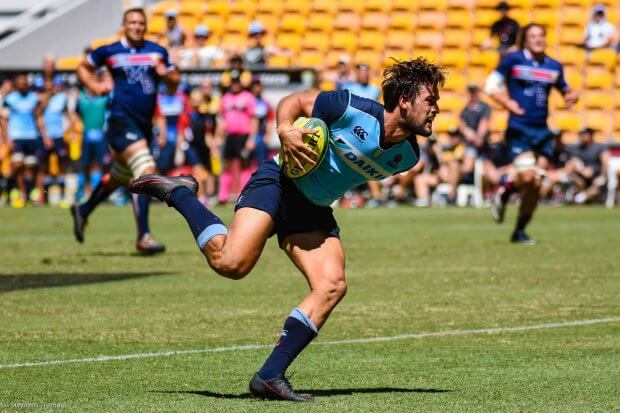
415, 130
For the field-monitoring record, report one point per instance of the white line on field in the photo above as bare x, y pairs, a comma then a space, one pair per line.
445, 333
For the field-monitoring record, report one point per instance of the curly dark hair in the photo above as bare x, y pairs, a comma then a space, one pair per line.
405, 78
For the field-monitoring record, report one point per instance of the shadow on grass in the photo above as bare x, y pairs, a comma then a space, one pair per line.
13, 282
314, 392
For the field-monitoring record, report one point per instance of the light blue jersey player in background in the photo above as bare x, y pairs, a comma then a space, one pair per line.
522, 83
137, 67
368, 141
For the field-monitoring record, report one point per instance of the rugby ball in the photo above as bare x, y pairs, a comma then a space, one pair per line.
317, 141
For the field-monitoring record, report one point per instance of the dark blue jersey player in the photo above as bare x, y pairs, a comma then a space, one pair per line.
298, 210
137, 66
522, 83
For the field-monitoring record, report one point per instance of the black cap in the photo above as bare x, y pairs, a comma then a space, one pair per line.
236, 58
586, 129
472, 88
453, 131
502, 5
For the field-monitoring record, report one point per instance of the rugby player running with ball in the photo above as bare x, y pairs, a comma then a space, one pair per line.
297, 210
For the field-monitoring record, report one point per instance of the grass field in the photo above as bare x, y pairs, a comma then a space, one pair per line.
409, 271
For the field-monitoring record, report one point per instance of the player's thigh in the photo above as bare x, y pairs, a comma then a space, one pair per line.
320, 258
246, 238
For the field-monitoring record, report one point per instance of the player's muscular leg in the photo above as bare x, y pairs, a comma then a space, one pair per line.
321, 259
528, 180
235, 254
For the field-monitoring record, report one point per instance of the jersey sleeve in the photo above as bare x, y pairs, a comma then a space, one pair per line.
330, 106
166, 59
97, 57
505, 66
560, 83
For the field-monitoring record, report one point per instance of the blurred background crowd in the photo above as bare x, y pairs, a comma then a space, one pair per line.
460, 165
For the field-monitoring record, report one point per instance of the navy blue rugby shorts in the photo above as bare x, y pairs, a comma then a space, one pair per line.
269, 190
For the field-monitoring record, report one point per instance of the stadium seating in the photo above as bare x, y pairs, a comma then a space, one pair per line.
317, 32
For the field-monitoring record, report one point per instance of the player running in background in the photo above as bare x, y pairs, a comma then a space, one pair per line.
54, 101
137, 67
91, 108
25, 135
298, 210
171, 107
522, 83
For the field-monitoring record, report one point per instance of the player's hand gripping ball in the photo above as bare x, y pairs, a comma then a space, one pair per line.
317, 141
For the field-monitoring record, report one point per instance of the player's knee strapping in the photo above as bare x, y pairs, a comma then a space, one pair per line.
526, 163
140, 161
120, 172
17, 157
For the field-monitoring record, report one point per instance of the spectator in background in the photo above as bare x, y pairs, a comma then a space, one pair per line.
257, 54
266, 119
169, 110
237, 71
505, 30
25, 134
239, 125
342, 74
474, 121
200, 55
175, 36
426, 173
455, 162
91, 109
362, 86
590, 166
560, 169
599, 32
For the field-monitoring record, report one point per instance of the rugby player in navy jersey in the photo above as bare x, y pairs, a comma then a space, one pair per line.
522, 83
298, 211
137, 67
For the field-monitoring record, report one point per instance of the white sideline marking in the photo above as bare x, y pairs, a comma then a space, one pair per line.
446, 333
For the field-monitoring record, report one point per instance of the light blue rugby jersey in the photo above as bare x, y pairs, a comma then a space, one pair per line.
356, 153
54, 115
22, 124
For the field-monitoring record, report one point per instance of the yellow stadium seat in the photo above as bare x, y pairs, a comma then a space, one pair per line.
499, 121
574, 16
457, 39
193, 8
455, 83
439, 5
459, 19
429, 54
347, 21
315, 41
451, 102
289, 41
269, 7
430, 39
613, 16
453, 5
551, 4
522, 4
375, 20
522, 16
444, 122
296, 7
323, 7
157, 25
402, 20
68, 63
163, 6
567, 121
319, 23
479, 36
292, 24
311, 59
454, 58
485, 4
404, 5
269, 21
571, 55
233, 40
477, 74
608, 3
327, 85
380, 6
430, 19
188, 22
603, 57
278, 61
345, 41
571, 36
215, 24
578, 3
237, 25
574, 79
390, 57
244, 8
599, 79
600, 121
598, 100
617, 79
370, 57
484, 58
371, 40
550, 18
485, 18
219, 9
351, 6
399, 41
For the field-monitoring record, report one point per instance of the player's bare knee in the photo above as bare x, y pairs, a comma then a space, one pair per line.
332, 291
528, 177
232, 268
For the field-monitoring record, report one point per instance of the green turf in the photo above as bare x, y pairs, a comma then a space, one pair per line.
409, 270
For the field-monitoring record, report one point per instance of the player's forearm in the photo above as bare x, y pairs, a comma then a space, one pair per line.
171, 80
293, 106
86, 75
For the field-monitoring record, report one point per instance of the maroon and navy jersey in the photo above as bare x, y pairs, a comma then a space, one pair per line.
135, 80
529, 83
